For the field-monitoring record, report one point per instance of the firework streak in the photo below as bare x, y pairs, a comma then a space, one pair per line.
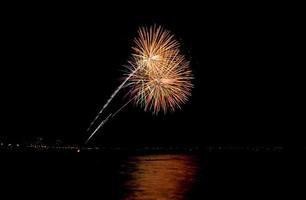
111, 98
106, 119
101, 124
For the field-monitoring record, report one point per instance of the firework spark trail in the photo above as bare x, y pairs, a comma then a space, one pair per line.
123, 107
101, 124
110, 115
111, 98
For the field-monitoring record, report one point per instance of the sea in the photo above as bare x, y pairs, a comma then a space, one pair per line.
148, 175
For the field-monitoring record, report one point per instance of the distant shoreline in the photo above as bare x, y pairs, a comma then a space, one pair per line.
143, 149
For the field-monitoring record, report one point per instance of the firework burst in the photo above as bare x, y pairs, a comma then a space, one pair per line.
158, 75
161, 79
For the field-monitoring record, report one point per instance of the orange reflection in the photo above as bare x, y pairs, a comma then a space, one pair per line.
161, 177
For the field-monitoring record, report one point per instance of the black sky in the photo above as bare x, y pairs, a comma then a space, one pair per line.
64, 62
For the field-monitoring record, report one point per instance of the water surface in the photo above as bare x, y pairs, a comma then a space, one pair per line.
146, 176
162, 177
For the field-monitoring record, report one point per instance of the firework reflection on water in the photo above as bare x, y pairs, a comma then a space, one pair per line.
162, 177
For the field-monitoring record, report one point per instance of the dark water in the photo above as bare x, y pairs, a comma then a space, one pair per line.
148, 176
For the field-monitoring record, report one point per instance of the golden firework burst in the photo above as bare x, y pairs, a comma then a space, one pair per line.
160, 77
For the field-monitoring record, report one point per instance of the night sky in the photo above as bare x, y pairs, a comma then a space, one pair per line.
62, 64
